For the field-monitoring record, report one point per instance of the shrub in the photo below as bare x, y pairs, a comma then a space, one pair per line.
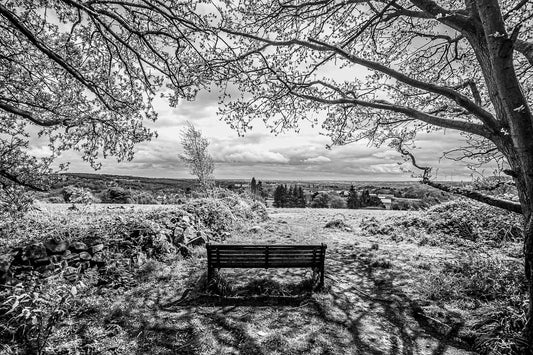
72, 194
455, 222
144, 198
474, 280
32, 311
337, 202
117, 195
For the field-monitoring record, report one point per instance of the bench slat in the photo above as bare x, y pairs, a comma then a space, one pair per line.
281, 246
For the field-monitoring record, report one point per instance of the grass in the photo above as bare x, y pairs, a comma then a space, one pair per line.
384, 295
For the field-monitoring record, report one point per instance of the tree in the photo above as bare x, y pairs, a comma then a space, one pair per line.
336, 201
196, 156
353, 201
278, 196
301, 198
253, 186
321, 200
429, 65
260, 190
84, 74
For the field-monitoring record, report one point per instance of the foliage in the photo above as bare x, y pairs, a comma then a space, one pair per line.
33, 309
117, 195
74, 194
14, 200
196, 156
289, 197
320, 200
336, 201
473, 281
361, 199
144, 198
84, 77
454, 222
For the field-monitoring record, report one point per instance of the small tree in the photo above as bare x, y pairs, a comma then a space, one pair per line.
301, 198
278, 196
353, 201
321, 200
253, 186
196, 156
335, 201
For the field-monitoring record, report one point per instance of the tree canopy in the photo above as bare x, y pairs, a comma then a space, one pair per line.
384, 70
84, 73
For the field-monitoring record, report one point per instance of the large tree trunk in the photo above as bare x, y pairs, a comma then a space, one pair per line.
528, 264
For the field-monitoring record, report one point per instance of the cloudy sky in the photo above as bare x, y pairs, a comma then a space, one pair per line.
290, 155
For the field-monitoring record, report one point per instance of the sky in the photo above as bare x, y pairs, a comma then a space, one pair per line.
265, 156
261, 154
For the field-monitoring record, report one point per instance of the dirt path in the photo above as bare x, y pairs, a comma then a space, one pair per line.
369, 306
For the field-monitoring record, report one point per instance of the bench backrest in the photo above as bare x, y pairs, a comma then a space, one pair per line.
265, 256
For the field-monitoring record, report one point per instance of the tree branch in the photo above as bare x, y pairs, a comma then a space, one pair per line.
525, 48
474, 195
29, 116
419, 115
16, 180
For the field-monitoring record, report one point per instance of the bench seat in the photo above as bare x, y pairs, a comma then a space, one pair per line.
266, 256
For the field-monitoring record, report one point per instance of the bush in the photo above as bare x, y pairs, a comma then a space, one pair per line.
144, 198
473, 281
72, 194
456, 222
337, 202
117, 195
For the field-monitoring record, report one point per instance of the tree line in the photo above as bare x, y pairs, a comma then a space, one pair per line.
293, 196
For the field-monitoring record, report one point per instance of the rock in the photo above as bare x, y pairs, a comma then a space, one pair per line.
55, 246
42, 261
98, 259
96, 248
196, 242
189, 234
85, 256
255, 229
36, 251
78, 246
184, 251
71, 273
71, 258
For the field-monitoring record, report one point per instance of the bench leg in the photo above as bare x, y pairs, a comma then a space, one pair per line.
210, 272
321, 284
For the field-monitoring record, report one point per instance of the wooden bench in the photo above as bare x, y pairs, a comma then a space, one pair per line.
265, 256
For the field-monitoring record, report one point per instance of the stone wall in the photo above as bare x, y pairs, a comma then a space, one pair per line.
171, 236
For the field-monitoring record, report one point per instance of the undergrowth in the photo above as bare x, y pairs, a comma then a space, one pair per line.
494, 289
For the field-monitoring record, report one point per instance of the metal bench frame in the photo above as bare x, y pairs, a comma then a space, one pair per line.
266, 256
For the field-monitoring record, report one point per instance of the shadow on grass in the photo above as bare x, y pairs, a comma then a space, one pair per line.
362, 311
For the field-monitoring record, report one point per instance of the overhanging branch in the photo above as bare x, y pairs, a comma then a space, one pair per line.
474, 195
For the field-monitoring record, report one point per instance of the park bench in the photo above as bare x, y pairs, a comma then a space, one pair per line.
261, 256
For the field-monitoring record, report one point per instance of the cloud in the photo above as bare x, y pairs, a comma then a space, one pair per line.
383, 168
247, 153
387, 154
318, 159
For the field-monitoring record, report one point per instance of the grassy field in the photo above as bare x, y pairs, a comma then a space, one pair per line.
382, 296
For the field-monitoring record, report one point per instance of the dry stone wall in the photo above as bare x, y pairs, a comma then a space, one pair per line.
173, 235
